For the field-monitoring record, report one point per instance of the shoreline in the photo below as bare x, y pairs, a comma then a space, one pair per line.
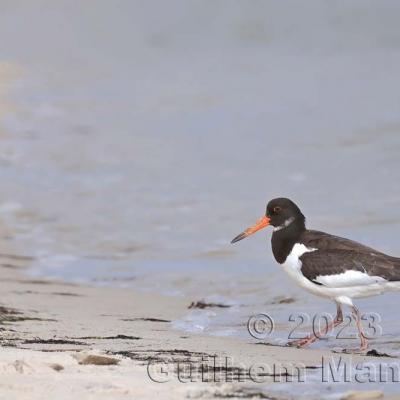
118, 343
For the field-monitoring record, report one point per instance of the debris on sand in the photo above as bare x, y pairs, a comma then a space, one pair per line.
283, 300
94, 359
376, 353
53, 341
202, 304
123, 337
146, 319
362, 395
57, 367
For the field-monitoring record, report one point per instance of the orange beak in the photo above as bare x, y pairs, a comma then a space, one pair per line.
260, 224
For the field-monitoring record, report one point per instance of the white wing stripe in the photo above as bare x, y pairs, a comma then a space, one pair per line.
348, 278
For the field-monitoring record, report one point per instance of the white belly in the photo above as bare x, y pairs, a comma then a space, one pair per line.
342, 287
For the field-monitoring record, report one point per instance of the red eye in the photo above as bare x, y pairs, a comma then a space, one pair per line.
277, 209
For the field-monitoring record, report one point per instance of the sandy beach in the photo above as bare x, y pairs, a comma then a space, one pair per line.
65, 340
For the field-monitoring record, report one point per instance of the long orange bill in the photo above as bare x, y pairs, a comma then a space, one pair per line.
260, 224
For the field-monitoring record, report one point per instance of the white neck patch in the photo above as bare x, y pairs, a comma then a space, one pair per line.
285, 224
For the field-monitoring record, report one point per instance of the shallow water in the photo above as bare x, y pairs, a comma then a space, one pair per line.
136, 141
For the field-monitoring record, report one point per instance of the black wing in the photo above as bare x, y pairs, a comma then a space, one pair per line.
335, 262
325, 241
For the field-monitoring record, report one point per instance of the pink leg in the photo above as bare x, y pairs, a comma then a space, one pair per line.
357, 316
313, 337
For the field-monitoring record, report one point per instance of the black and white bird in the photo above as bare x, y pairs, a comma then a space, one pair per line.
328, 266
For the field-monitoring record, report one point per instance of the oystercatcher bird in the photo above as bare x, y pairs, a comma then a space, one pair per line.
328, 266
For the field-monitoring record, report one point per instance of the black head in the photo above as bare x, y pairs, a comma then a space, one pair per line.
281, 213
